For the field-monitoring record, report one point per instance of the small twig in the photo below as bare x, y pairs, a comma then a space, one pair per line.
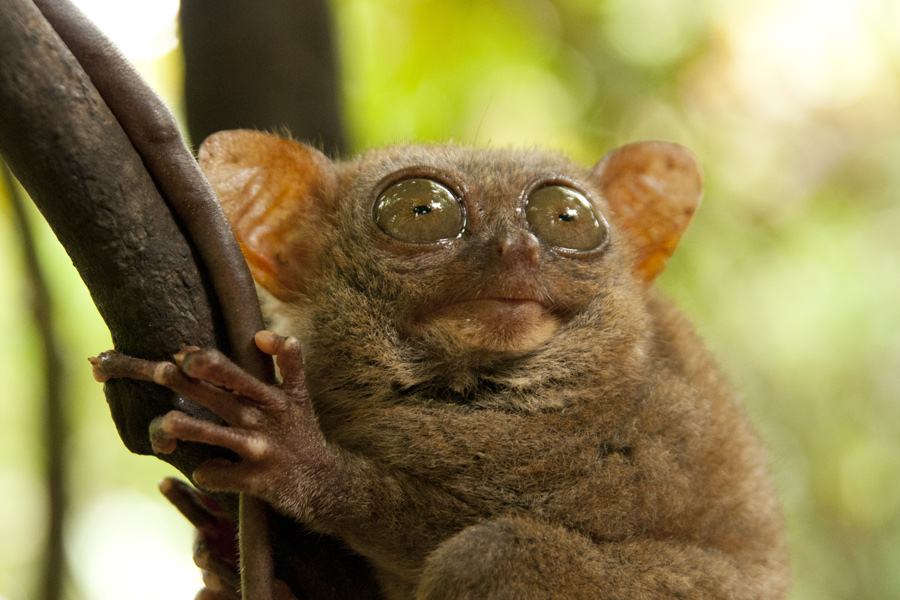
55, 418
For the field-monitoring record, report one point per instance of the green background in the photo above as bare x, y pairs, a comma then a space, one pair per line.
791, 269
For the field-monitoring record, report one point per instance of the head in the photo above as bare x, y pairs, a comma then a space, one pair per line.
453, 258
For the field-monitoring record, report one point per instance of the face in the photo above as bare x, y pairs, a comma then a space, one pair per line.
445, 252
498, 249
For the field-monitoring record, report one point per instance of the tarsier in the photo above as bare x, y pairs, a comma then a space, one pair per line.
493, 401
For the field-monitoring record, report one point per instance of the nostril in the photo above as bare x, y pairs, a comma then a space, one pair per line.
504, 243
517, 245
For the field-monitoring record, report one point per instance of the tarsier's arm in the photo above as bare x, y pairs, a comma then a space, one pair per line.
284, 457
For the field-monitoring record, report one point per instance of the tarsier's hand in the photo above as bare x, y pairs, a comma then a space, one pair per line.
215, 543
272, 428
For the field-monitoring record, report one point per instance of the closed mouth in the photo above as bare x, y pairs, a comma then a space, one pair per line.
495, 305
499, 300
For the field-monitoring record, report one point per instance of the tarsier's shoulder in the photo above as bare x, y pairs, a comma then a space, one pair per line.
676, 340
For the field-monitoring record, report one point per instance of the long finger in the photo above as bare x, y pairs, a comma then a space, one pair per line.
112, 365
226, 575
222, 402
213, 366
290, 361
189, 429
219, 474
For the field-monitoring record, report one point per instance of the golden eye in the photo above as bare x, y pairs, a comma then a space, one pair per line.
419, 211
564, 218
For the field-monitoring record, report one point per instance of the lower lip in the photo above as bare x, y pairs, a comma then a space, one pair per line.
494, 308
498, 303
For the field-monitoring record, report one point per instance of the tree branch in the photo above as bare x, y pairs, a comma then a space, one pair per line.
152, 289
153, 131
82, 170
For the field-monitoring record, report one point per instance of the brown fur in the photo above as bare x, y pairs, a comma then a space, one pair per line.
605, 457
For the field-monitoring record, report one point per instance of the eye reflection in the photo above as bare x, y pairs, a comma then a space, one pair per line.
563, 217
419, 211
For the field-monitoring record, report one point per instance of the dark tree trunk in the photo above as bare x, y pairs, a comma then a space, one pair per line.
262, 65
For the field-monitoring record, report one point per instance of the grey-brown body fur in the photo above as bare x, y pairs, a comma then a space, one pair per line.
610, 461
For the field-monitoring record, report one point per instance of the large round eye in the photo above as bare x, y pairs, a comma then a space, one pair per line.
419, 211
564, 218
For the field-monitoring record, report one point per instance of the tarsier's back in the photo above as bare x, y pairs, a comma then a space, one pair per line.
515, 411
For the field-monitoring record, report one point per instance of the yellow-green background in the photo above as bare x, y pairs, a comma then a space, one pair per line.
791, 268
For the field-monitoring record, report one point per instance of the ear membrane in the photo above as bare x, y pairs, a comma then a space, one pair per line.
276, 194
653, 189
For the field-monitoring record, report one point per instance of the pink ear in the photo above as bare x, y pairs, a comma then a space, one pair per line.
653, 189
276, 194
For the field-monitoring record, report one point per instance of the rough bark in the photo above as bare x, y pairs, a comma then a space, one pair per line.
141, 266
82, 170
69, 152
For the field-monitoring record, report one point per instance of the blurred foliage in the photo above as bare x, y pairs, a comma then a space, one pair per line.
791, 269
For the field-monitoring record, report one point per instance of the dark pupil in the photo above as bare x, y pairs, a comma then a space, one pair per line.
568, 216
421, 209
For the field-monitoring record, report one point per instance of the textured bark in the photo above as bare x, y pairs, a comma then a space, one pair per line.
152, 130
79, 163
138, 260
69, 152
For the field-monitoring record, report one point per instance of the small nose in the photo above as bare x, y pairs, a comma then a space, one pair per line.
517, 246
